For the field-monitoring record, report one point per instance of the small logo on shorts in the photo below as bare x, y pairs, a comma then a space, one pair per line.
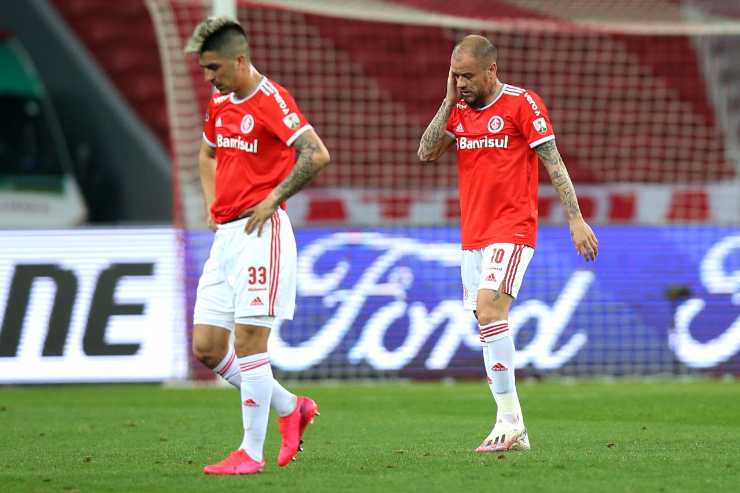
257, 302
465, 292
250, 403
491, 277
499, 367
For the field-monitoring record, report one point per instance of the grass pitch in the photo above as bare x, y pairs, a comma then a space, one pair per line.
625, 436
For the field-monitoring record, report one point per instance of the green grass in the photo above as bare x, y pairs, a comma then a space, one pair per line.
626, 436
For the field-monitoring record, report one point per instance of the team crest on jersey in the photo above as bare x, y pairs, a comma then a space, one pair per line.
495, 124
247, 124
292, 121
540, 125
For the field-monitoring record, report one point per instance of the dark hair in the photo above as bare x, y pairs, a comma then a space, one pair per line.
229, 39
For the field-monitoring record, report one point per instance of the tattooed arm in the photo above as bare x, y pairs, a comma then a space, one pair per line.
580, 232
435, 140
312, 157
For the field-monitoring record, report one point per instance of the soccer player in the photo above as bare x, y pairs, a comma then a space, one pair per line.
500, 130
248, 169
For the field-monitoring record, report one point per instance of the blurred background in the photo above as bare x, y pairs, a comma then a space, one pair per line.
103, 222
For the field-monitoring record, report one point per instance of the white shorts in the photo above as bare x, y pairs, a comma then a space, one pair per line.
247, 276
501, 265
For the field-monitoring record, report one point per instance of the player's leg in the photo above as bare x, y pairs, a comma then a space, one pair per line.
213, 316
502, 271
256, 381
297, 411
470, 270
212, 348
263, 273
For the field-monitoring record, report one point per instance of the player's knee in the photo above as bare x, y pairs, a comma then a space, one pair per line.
251, 339
488, 315
208, 353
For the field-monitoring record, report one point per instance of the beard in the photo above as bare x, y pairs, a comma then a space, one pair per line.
478, 100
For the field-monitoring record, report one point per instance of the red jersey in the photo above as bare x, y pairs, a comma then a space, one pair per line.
498, 167
253, 138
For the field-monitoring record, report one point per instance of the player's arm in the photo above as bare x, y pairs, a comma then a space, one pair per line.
207, 165
435, 140
580, 232
312, 157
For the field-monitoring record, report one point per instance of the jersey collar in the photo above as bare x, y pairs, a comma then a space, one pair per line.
236, 100
503, 87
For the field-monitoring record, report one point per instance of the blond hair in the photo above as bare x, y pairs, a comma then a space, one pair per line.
222, 33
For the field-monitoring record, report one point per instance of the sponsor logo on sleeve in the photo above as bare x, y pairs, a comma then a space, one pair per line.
247, 124
532, 103
292, 121
495, 124
540, 125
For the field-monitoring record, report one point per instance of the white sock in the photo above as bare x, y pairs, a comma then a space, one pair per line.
256, 390
229, 369
283, 402
501, 364
489, 372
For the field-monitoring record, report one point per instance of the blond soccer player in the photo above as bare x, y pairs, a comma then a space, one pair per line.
252, 133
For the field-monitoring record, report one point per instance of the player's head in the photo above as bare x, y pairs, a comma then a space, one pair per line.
223, 52
473, 65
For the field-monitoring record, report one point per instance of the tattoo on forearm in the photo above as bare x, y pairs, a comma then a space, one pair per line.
559, 176
305, 169
429, 148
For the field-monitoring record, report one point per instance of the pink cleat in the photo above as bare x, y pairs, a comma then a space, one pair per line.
292, 428
238, 462
505, 437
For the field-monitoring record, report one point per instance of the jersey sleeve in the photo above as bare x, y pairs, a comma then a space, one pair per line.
452, 122
533, 120
282, 116
209, 128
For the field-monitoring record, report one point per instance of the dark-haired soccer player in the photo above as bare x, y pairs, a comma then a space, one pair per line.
500, 131
248, 170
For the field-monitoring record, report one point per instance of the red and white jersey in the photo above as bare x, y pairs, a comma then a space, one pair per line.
252, 138
498, 167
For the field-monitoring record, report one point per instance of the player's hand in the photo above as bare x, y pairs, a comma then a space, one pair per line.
212, 225
584, 239
258, 215
453, 93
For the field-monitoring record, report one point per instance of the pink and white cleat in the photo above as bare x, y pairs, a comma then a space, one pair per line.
239, 462
504, 437
292, 428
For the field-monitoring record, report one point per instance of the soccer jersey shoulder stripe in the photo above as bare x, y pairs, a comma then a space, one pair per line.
268, 88
514, 89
